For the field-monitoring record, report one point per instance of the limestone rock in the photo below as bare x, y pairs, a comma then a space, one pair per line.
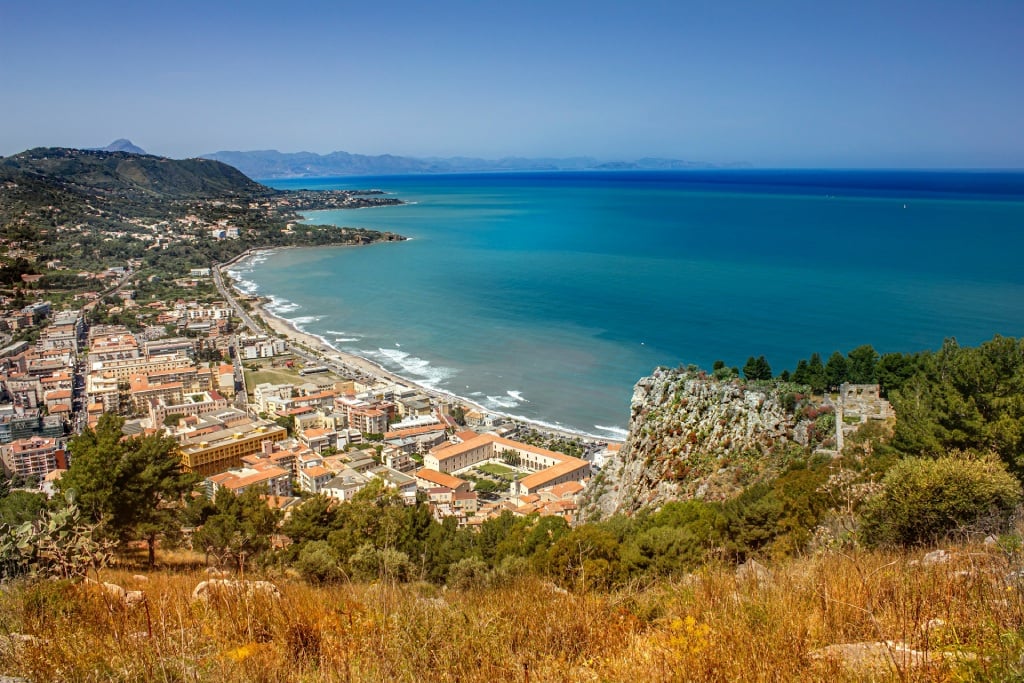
884, 658
206, 589
936, 557
752, 570
694, 436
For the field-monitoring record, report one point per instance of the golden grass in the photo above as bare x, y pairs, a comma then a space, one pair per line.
711, 626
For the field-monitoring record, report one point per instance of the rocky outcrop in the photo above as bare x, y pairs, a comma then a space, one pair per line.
694, 436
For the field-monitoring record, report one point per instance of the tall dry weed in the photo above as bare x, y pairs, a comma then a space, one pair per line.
710, 626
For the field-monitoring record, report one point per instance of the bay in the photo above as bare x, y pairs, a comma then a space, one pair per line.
546, 296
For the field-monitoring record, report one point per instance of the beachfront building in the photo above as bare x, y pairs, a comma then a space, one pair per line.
251, 347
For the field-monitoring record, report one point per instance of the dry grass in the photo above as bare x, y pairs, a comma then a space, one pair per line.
710, 626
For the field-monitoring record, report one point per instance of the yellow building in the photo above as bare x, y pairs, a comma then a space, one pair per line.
218, 448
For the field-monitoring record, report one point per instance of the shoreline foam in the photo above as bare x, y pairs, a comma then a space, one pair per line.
320, 345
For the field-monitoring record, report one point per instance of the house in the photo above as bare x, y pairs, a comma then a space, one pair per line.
277, 480
393, 479
313, 479
319, 439
344, 485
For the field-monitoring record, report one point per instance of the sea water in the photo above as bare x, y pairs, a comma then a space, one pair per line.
548, 295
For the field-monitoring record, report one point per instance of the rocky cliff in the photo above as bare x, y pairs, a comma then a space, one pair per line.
694, 436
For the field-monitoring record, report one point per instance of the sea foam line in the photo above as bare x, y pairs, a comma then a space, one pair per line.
430, 376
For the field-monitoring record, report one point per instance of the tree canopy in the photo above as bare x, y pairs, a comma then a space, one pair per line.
133, 487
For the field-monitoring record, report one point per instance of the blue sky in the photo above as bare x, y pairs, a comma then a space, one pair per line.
777, 84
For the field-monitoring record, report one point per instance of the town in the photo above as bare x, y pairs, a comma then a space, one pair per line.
249, 409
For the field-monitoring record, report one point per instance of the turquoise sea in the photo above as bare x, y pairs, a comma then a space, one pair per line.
547, 295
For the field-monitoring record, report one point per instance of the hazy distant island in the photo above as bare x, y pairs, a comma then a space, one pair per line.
274, 164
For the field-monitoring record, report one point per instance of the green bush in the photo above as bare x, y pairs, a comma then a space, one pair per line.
318, 561
469, 573
923, 500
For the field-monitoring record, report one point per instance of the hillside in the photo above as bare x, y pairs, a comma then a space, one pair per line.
128, 176
831, 617
93, 209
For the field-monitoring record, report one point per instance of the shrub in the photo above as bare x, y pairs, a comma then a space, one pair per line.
318, 561
469, 573
923, 500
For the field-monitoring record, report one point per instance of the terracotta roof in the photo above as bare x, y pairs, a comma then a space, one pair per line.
565, 489
538, 479
317, 471
414, 431
439, 478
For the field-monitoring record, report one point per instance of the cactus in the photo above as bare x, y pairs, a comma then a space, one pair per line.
57, 544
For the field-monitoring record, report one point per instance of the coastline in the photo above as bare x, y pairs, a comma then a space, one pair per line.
372, 370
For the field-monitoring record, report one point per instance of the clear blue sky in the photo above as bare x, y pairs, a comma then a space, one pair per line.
777, 83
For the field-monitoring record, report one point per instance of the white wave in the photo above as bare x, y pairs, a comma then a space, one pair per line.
421, 369
279, 306
499, 402
304, 320
554, 425
476, 393
338, 333
246, 287
343, 340
517, 395
617, 431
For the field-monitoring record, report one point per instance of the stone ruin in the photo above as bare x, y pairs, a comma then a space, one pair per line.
860, 402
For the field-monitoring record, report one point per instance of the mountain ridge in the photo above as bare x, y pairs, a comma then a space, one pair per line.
271, 163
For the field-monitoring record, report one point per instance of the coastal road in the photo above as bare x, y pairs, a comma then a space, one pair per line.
239, 311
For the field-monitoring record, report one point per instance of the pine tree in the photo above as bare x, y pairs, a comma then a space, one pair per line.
836, 370
133, 488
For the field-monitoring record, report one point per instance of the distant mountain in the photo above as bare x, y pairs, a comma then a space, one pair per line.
122, 145
274, 164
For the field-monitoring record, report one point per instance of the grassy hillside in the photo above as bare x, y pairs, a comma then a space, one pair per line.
948, 620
